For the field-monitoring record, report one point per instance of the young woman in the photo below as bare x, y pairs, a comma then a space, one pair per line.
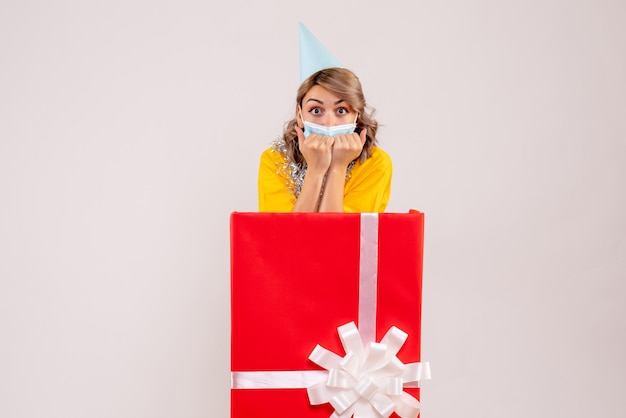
327, 159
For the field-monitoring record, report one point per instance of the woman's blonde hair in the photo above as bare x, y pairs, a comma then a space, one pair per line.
344, 84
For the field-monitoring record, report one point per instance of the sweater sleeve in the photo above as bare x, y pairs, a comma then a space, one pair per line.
369, 186
273, 185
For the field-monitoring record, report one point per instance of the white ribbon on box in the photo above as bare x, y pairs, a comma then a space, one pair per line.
368, 381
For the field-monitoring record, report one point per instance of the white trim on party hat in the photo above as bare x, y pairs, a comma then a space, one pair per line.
313, 55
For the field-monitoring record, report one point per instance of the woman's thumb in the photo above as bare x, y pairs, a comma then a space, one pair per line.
363, 136
299, 133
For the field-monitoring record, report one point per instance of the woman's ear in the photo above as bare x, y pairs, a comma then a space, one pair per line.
299, 117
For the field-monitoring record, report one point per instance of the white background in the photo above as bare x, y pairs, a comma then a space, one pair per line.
130, 130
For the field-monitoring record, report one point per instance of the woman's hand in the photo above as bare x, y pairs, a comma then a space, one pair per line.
316, 150
346, 148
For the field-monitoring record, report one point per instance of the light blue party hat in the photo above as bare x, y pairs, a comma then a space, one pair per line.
313, 55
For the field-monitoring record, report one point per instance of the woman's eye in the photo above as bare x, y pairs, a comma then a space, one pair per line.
315, 111
342, 111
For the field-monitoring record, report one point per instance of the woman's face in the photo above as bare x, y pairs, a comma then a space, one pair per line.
322, 107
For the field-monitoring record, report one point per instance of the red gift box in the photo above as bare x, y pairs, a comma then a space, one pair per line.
296, 278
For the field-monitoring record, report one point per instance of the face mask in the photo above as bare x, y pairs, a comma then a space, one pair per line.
314, 128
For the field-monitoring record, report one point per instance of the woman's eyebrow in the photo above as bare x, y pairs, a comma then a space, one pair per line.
321, 102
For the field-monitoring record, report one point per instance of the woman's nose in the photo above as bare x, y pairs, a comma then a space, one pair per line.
329, 120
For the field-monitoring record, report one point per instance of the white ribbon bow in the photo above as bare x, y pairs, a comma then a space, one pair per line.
368, 381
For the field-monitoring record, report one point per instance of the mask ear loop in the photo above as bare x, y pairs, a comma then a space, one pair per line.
356, 125
301, 117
